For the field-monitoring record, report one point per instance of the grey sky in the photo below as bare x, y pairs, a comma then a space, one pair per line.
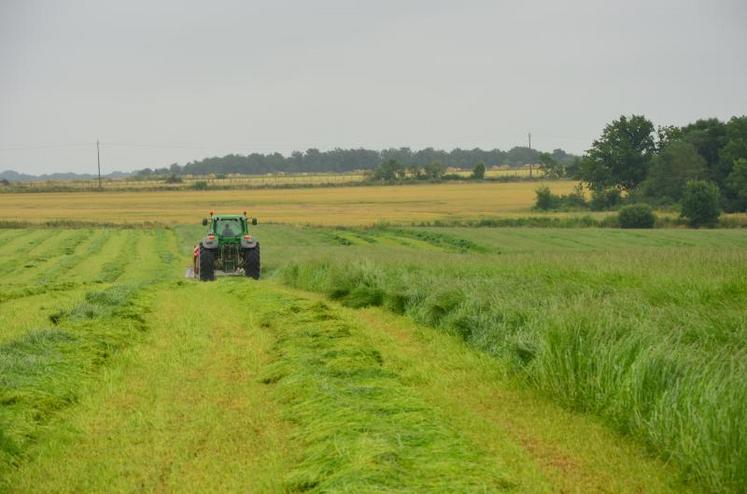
173, 81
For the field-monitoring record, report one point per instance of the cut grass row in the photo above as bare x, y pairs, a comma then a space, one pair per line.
531, 240
26, 249
363, 429
29, 296
108, 255
87, 244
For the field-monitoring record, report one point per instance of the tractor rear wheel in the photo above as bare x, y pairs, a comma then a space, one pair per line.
251, 262
207, 271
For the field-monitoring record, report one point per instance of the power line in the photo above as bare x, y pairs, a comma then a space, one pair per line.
42, 146
98, 160
530, 148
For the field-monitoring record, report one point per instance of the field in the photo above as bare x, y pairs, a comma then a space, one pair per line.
368, 359
322, 206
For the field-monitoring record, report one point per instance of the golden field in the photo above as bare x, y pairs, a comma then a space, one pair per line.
362, 205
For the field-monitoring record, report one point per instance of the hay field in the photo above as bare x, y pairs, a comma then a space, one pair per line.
503, 354
403, 354
318, 206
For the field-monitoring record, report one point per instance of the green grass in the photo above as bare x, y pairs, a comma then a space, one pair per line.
44, 370
248, 387
57, 335
26, 249
91, 267
103, 350
86, 244
178, 408
648, 332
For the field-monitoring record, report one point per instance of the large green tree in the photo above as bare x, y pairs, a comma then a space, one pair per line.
620, 157
676, 164
737, 185
721, 145
735, 147
707, 136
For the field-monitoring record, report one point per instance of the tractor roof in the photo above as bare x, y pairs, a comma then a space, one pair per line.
227, 216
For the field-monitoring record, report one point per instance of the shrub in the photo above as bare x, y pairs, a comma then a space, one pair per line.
200, 185
478, 172
605, 199
701, 203
636, 216
434, 170
575, 199
546, 200
389, 171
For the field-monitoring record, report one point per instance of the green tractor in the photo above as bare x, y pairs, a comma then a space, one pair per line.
227, 249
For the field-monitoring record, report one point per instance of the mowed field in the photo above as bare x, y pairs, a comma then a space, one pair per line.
375, 360
363, 205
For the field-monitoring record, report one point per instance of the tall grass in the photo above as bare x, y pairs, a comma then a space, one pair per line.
653, 340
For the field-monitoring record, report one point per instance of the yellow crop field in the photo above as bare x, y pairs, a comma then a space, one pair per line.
320, 206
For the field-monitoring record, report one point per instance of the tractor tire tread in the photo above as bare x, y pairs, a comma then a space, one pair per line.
252, 262
207, 270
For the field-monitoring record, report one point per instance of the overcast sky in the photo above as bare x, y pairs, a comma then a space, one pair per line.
173, 81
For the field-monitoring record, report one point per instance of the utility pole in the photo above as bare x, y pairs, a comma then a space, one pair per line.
530, 148
98, 161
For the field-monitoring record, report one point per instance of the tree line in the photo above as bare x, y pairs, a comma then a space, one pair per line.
700, 167
347, 160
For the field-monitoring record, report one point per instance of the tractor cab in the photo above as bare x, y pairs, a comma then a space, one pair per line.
228, 228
